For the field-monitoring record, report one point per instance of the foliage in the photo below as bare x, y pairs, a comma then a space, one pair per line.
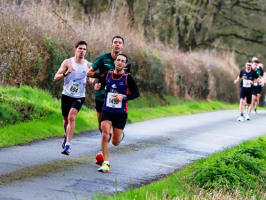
23, 104
42, 40
243, 170
57, 53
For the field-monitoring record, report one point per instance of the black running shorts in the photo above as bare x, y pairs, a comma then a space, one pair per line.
69, 102
99, 105
246, 93
256, 90
118, 119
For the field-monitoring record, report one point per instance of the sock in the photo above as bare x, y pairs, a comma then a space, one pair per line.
67, 143
106, 162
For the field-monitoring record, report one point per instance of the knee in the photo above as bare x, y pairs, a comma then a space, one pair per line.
105, 136
71, 119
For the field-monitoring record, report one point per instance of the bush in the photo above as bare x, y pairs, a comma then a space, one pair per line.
243, 170
17, 105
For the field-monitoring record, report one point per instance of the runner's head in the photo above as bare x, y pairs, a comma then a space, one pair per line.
121, 62
117, 44
248, 65
255, 62
80, 49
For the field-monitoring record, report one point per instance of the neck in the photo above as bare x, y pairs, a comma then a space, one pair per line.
79, 60
114, 54
119, 72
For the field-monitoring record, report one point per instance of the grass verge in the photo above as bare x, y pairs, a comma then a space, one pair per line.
44, 118
236, 173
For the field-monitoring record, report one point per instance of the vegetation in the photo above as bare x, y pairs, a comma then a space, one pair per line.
237, 173
41, 34
29, 114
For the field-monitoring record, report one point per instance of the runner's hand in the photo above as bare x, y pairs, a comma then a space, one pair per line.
69, 70
118, 97
97, 86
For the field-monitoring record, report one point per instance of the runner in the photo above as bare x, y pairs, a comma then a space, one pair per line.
104, 63
257, 87
247, 77
74, 71
120, 87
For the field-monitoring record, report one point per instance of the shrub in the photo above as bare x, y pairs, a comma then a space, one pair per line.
243, 170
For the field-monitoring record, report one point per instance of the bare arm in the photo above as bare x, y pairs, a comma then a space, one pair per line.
64, 70
237, 80
90, 80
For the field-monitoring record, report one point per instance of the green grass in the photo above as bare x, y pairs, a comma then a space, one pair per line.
33, 114
239, 172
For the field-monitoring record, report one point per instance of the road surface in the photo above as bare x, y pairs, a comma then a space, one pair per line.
150, 150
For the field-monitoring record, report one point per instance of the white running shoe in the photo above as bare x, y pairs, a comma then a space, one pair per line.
240, 119
247, 117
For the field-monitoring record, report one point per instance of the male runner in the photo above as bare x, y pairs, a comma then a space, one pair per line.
120, 87
74, 71
247, 77
104, 63
257, 87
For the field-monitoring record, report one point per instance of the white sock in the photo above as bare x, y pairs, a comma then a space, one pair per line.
67, 143
106, 162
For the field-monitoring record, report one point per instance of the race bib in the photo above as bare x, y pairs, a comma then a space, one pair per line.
74, 88
110, 101
246, 83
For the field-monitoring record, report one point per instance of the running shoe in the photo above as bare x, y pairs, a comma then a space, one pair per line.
240, 119
247, 117
64, 142
105, 168
99, 159
66, 150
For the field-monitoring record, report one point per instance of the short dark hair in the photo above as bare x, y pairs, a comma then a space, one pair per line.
118, 36
249, 63
81, 42
122, 54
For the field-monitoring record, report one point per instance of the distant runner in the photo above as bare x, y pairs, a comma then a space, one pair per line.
120, 87
248, 77
257, 87
74, 71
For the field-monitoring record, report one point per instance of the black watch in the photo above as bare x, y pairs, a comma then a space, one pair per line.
64, 74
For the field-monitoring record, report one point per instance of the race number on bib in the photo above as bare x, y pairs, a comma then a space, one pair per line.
246, 83
110, 101
74, 88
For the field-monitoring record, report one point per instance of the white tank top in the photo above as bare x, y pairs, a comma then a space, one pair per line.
75, 82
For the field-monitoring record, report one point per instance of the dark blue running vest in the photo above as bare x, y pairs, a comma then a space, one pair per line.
115, 86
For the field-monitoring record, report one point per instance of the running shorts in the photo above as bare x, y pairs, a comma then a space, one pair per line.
118, 119
246, 93
256, 90
69, 102
99, 105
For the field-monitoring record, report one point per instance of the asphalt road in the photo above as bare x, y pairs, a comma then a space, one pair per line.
150, 150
